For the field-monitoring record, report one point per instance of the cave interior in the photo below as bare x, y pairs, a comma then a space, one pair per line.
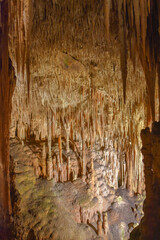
79, 119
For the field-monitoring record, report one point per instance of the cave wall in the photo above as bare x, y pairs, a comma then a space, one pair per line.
150, 150
5, 103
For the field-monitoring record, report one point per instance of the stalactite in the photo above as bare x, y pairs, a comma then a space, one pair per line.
43, 160
123, 43
143, 10
92, 174
159, 87
83, 155
107, 6
49, 159
93, 119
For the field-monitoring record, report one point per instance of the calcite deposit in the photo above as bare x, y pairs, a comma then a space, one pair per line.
79, 80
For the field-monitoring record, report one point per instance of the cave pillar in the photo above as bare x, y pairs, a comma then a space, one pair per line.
83, 155
129, 171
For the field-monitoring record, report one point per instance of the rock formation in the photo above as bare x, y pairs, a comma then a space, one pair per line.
87, 81
150, 151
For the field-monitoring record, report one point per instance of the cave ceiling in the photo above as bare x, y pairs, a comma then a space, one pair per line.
67, 53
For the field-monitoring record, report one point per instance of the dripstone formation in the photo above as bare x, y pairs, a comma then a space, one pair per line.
79, 80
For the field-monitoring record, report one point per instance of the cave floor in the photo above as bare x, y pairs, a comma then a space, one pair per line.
47, 210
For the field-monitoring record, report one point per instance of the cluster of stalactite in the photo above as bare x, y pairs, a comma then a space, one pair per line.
138, 30
66, 25
71, 22
96, 121
97, 118
135, 22
150, 151
138, 23
20, 23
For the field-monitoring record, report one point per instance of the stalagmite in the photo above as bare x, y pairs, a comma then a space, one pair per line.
67, 138
105, 225
60, 148
68, 168
54, 162
83, 156
49, 159
58, 167
43, 160
92, 174
99, 225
